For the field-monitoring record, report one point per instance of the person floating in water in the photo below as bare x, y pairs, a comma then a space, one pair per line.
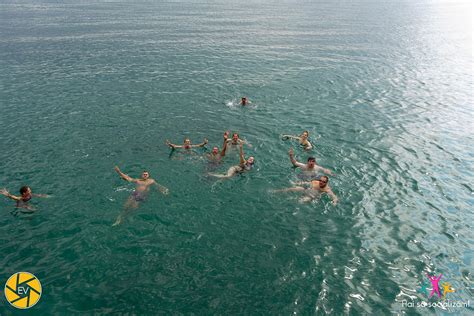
244, 166
244, 101
139, 194
434, 283
310, 169
235, 140
215, 156
186, 144
25, 197
313, 190
303, 139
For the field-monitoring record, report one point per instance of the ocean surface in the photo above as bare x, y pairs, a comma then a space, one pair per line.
385, 89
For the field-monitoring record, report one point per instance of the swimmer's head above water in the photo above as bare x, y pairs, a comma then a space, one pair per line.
235, 137
251, 160
145, 175
311, 162
244, 101
323, 181
187, 143
215, 150
25, 191
305, 135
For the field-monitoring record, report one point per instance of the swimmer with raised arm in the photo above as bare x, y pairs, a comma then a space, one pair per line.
25, 197
303, 139
244, 166
186, 144
313, 190
309, 169
139, 194
215, 156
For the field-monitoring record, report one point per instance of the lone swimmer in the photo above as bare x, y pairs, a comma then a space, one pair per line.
25, 197
139, 194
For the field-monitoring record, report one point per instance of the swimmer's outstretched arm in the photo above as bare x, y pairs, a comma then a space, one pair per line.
295, 163
224, 147
124, 176
242, 157
301, 182
162, 188
41, 195
326, 171
201, 144
239, 141
173, 145
8, 195
291, 137
243, 141
333, 197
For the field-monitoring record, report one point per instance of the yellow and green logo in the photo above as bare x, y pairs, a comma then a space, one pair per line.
23, 290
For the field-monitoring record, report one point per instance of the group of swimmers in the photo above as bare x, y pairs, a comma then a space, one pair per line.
313, 186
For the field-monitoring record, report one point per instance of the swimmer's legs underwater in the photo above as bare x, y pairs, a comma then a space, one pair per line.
292, 189
230, 173
304, 199
129, 206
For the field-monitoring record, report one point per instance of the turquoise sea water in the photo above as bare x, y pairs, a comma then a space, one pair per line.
387, 85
